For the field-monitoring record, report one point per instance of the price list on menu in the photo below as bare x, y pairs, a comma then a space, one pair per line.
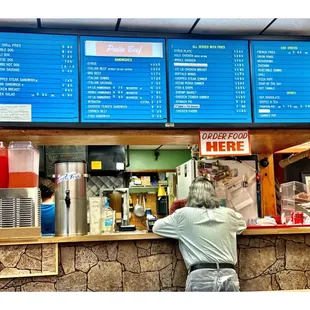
209, 81
123, 80
38, 78
281, 81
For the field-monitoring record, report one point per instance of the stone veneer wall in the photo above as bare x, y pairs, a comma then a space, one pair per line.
269, 263
36, 259
265, 263
111, 266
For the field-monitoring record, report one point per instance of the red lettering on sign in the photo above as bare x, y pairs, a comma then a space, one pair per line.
240, 146
231, 146
224, 146
211, 146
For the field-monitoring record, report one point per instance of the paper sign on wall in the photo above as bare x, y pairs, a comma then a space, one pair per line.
224, 143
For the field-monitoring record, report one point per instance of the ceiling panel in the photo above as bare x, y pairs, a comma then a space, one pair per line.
80, 23
169, 25
18, 22
289, 26
231, 26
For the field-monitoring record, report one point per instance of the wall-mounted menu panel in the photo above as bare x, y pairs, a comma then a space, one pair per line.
38, 78
209, 81
281, 81
123, 80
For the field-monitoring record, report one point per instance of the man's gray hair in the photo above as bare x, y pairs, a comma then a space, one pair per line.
202, 194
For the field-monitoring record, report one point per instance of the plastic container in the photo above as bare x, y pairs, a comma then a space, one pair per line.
4, 170
293, 194
24, 160
107, 218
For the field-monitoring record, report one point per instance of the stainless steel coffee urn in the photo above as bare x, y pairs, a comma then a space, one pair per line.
70, 198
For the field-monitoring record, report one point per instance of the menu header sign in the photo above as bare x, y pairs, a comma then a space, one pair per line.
224, 143
123, 80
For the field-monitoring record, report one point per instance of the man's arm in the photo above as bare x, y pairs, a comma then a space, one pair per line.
240, 223
168, 226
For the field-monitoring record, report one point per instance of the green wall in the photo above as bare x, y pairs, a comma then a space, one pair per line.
168, 159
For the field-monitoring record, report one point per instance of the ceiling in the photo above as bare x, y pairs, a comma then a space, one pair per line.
203, 26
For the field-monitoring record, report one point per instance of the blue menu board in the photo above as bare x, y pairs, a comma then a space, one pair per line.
123, 80
281, 81
38, 78
209, 81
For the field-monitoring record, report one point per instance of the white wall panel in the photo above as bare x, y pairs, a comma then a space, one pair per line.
18, 22
168, 25
80, 23
289, 26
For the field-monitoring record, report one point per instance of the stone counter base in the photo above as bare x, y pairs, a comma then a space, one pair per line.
112, 267
265, 263
269, 263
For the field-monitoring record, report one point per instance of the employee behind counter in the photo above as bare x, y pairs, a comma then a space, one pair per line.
47, 188
207, 234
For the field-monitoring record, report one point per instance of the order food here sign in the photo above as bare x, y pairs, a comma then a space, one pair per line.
224, 143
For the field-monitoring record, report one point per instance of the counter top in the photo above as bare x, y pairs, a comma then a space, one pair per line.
118, 236
140, 235
276, 231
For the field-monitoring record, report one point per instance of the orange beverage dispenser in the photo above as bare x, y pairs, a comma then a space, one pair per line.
4, 170
24, 160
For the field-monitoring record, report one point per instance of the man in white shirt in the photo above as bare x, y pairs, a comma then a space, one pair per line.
207, 235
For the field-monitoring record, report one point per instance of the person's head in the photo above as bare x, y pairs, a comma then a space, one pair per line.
202, 194
47, 188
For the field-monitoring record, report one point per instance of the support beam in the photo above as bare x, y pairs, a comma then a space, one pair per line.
268, 195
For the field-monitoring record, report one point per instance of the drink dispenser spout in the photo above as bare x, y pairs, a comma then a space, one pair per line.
68, 203
67, 199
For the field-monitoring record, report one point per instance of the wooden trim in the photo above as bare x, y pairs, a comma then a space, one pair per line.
20, 234
276, 231
38, 274
27, 275
57, 258
292, 150
262, 140
88, 238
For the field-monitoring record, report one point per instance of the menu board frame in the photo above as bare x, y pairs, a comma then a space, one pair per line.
208, 47
68, 83
168, 125
255, 102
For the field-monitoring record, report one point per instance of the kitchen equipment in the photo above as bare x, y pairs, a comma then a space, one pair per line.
138, 209
150, 221
120, 202
4, 169
70, 198
24, 160
116, 201
106, 158
162, 205
20, 207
